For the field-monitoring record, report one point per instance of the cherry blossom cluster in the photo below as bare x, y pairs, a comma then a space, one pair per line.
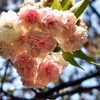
29, 37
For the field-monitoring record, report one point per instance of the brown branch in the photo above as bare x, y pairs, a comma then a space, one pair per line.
3, 79
93, 9
77, 90
64, 85
11, 96
13, 78
18, 98
49, 94
71, 83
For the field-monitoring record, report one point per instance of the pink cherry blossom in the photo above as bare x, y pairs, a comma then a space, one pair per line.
32, 83
39, 44
27, 82
51, 21
19, 44
67, 32
69, 26
25, 72
25, 65
74, 42
20, 70
30, 38
7, 51
29, 16
10, 28
48, 71
57, 56
71, 19
24, 60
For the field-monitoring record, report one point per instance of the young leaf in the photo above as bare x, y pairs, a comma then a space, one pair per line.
79, 8
78, 54
56, 5
74, 8
65, 4
81, 55
70, 58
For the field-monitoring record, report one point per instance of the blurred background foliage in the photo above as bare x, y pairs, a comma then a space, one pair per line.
74, 83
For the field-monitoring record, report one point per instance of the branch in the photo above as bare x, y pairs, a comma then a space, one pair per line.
18, 98
12, 97
77, 90
13, 78
64, 85
71, 83
3, 79
47, 94
94, 10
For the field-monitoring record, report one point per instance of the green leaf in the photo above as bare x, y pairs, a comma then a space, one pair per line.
81, 55
70, 58
65, 4
79, 8
56, 5
74, 8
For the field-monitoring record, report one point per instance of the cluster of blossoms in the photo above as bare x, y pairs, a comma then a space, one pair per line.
29, 37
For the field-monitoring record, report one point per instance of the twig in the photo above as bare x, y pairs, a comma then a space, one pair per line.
79, 89
71, 83
64, 85
94, 10
3, 79
12, 97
